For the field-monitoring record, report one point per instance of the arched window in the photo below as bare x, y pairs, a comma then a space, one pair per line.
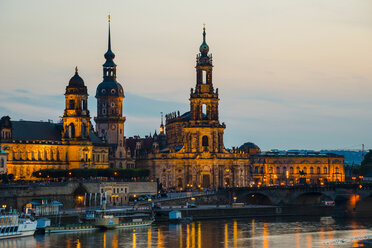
337, 170
305, 170
71, 130
256, 170
71, 104
311, 170
84, 131
261, 170
325, 171
205, 141
318, 170
2, 163
291, 170
298, 170
204, 111
277, 170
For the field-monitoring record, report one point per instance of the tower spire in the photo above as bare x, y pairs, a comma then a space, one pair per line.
109, 67
109, 33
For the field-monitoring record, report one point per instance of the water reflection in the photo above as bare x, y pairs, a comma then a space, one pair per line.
262, 233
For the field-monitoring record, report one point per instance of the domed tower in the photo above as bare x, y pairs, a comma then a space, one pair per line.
204, 132
110, 120
76, 119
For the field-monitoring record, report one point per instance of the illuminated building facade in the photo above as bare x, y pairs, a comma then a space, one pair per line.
110, 119
194, 155
33, 146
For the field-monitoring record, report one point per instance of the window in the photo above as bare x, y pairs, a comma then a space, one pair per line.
277, 170
2, 163
291, 170
71, 104
205, 141
311, 170
204, 111
325, 170
204, 77
298, 169
318, 170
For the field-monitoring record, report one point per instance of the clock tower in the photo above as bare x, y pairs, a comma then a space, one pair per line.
110, 119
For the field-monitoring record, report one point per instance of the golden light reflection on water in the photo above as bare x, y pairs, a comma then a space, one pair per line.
226, 236
188, 236
160, 238
235, 234
199, 235
309, 241
265, 236
134, 239
321, 237
149, 241
253, 232
297, 236
115, 240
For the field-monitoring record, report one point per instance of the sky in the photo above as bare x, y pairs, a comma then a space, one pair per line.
291, 74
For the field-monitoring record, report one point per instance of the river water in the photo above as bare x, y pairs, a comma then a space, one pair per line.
277, 232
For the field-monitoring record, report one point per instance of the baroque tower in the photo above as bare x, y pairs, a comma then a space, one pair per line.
110, 120
76, 119
204, 133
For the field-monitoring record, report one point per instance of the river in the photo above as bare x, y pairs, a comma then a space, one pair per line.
253, 232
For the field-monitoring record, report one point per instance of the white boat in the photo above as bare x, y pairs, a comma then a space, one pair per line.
13, 226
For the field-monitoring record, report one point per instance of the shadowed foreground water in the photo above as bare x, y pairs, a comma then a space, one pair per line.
216, 233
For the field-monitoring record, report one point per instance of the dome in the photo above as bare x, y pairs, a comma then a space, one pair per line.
249, 145
109, 88
204, 48
76, 85
109, 55
76, 81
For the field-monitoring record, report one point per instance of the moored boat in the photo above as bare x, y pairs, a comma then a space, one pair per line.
13, 226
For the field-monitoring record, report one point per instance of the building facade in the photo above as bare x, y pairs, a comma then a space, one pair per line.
33, 146
110, 119
194, 155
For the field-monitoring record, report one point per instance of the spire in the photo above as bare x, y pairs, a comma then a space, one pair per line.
109, 33
109, 67
204, 48
161, 125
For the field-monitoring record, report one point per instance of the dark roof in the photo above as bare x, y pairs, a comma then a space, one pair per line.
34, 130
249, 145
76, 81
109, 88
76, 85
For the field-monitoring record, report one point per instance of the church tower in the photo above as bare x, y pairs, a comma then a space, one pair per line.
110, 120
76, 119
204, 133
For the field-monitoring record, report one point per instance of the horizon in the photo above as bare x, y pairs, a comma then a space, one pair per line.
282, 84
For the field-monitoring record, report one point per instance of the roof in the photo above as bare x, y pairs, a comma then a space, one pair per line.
34, 130
109, 88
38, 130
249, 145
2, 151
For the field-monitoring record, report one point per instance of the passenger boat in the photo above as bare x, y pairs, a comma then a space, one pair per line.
70, 228
12, 225
106, 221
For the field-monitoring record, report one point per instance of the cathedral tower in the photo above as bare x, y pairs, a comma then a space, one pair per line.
76, 119
204, 132
110, 120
